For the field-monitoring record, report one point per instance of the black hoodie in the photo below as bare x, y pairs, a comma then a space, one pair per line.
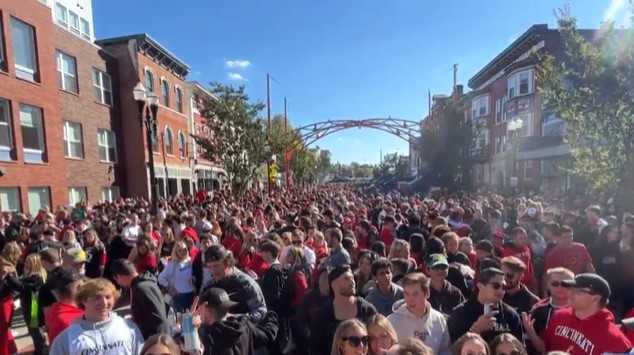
148, 305
238, 335
467, 313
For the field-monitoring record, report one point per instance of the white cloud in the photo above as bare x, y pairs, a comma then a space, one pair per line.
615, 9
237, 63
236, 77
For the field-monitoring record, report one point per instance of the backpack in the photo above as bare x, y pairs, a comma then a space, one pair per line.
280, 290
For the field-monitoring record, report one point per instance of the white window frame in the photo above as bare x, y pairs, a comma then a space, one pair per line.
85, 28
74, 22
178, 98
9, 192
47, 195
165, 92
64, 11
513, 83
69, 140
498, 110
110, 193
32, 151
3, 58
100, 86
77, 194
22, 71
182, 153
63, 74
148, 88
478, 103
5, 120
170, 141
107, 140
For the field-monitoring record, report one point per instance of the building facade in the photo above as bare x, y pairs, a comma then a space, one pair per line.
31, 154
524, 140
141, 59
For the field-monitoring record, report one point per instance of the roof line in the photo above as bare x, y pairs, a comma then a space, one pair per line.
149, 39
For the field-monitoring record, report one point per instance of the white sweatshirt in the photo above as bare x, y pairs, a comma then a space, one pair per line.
178, 275
114, 336
431, 329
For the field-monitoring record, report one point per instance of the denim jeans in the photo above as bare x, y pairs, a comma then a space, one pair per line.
183, 301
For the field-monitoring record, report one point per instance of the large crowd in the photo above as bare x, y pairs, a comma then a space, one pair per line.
321, 270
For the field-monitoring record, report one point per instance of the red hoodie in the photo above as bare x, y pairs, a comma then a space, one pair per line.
59, 317
592, 336
386, 237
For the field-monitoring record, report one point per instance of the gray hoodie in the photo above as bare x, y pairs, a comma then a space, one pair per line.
431, 329
114, 336
382, 302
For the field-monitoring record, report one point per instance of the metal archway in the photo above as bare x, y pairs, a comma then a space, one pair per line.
406, 130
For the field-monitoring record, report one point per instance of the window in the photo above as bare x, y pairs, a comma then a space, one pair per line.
61, 14
520, 83
32, 133
179, 99
9, 199
165, 93
109, 194
73, 22
6, 136
149, 81
182, 150
102, 87
155, 139
167, 140
498, 110
66, 72
23, 38
3, 62
38, 198
85, 29
73, 147
77, 195
480, 106
107, 146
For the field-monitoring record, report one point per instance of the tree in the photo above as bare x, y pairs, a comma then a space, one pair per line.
447, 146
590, 87
238, 135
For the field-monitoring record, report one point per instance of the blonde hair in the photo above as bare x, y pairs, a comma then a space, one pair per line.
92, 287
177, 246
297, 255
459, 344
560, 270
12, 252
398, 244
342, 331
70, 234
33, 266
380, 321
510, 339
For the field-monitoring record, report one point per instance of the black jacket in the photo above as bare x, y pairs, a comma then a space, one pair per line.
238, 335
246, 292
148, 305
445, 299
30, 289
198, 271
463, 317
522, 300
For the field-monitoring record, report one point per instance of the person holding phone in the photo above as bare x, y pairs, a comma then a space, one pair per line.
485, 313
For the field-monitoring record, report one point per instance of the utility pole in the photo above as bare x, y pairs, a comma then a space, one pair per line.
287, 151
455, 76
268, 132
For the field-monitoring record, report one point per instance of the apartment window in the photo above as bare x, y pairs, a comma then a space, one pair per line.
165, 93
61, 14
182, 151
167, 140
498, 110
149, 81
73, 21
109, 193
23, 40
107, 146
32, 133
66, 72
155, 139
520, 83
39, 198
85, 29
77, 195
73, 147
9, 199
179, 99
6, 136
3, 61
480, 106
102, 87
524, 81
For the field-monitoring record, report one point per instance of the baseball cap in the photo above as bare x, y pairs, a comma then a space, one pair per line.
435, 260
216, 297
593, 282
63, 278
76, 255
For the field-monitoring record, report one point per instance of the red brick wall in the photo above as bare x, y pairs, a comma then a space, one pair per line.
83, 108
43, 94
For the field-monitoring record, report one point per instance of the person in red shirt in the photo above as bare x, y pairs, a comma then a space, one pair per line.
189, 231
518, 247
387, 231
586, 327
143, 256
250, 259
232, 239
571, 255
63, 312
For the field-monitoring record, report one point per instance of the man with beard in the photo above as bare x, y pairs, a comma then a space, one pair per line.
517, 294
345, 305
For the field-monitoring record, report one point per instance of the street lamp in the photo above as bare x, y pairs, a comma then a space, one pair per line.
148, 108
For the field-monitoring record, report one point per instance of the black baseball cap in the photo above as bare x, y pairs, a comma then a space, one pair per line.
593, 282
217, 298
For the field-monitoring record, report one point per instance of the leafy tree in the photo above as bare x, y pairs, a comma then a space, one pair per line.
589, 85
238, 135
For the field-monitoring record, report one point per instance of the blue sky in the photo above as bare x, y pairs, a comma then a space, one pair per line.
338, 59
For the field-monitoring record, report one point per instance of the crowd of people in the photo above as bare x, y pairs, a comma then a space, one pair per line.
331, 269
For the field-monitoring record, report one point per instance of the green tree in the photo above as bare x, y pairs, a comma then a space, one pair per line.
590, 87
238, 135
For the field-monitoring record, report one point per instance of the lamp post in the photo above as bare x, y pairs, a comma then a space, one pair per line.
148, 108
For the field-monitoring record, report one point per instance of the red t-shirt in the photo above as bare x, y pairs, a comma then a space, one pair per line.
386, 237
572, 256
146, 262
591, 336
628, 332
58, 317
190, 233
230, 242
253, 262
300, 285
523, 253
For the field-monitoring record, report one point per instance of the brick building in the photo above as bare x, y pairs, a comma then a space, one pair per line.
142, 59
88, 107
31, 153
208, 173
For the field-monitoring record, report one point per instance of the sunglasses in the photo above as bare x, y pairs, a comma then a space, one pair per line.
557, 284
356, 341
496, 285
